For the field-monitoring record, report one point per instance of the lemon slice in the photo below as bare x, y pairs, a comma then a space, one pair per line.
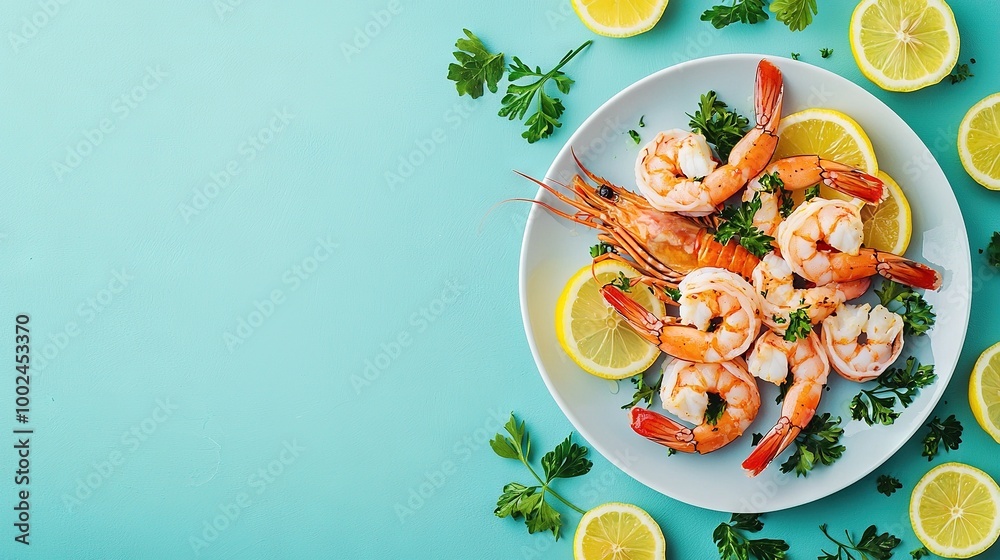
829, 134
984, 391
904, 45
979, 142
887, 227
619, 18
616, 531
955, 510
593, 334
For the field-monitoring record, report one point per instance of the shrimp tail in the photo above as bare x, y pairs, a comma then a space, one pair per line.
854, 182
770, 446
768, 93
645, 324
903, 270
662, 430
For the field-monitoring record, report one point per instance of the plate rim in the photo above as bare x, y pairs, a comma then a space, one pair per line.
535, 213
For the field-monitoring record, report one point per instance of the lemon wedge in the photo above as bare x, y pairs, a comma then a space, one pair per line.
617, 531
904, 45
593, 334
619, 18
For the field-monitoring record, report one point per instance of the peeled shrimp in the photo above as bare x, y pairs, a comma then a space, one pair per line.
685, 392
857, 359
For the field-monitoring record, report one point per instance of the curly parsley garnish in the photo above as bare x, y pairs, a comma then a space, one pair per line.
947, 432
643, 392
734, 545
738, 222
918, 315
476, 67
545, 118
567, 460
799, 325
720, 126
877, 405
993, 250
818, 444
871, 546
826, 53
887, 484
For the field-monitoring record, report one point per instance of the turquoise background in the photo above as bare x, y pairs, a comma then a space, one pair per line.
211, 275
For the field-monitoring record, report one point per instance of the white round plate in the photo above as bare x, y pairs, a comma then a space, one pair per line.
553, 249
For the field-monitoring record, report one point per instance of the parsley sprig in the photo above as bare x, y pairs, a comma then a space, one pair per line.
520, 97
947, 432
737, 221
567, 460
644, 392
887, 485
796, 14
918, 315
476, 67
993, 250
871, 546
715, 409
818, 444
877, 405
734, 545
743, 11
919, 553
799, 325
961, 73
720, 126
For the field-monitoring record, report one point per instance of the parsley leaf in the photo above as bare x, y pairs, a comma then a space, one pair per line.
887, 484
733, 545
871, 546
642, 121
993, 250
947, 432
519, 98
960, 74
743, 11
918, 315
716, 408
818, 444
623, 283
876, 405
812, 192
476, 67
796, 14
720, 126
919, 553
643, 392
674, 293
738, 222
826, 53
799, 325
771, 182
518, 501
795, 55
635, 136
600, 249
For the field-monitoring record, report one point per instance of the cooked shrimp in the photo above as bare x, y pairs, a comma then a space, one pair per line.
801, 172
772, 359
774, 281
676, 171
718, 317
821, 241
857, 359
686, 392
